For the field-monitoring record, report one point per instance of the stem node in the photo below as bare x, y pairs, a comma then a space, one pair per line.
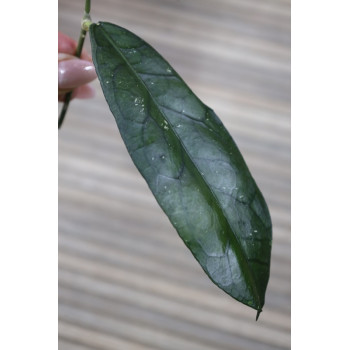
86, 22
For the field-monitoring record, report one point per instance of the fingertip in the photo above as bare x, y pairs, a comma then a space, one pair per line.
84, 92
75, 72
66, 44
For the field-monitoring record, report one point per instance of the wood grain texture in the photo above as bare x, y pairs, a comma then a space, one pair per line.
126, 280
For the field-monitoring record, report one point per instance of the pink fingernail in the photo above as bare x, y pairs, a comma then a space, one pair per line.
75, 72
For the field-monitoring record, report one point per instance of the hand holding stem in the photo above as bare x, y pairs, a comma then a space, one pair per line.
74, 73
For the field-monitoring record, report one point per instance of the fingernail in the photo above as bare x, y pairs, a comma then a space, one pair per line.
73, 73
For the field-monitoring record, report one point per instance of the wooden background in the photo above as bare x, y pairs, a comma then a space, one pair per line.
126, 280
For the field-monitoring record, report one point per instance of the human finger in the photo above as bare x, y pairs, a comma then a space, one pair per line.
67, 45
82, 92
74, 72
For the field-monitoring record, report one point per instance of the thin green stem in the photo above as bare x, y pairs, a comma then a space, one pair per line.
80, 45
87, 6
67, 98
78, 52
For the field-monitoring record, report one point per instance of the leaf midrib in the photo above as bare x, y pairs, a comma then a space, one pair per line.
244, 259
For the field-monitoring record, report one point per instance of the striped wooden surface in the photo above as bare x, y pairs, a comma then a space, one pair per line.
126, 280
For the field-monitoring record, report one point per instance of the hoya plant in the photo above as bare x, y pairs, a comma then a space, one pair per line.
188, 159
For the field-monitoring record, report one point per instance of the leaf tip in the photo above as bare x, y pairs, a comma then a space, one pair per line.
258, 314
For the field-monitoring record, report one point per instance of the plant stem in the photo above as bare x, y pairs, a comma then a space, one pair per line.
67, 98
78, 51
87, 6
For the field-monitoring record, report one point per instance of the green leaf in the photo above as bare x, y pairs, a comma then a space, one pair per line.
190, 162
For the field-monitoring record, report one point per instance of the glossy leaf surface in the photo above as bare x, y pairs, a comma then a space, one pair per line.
190, 162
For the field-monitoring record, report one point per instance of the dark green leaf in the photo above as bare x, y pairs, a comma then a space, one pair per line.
189, 161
